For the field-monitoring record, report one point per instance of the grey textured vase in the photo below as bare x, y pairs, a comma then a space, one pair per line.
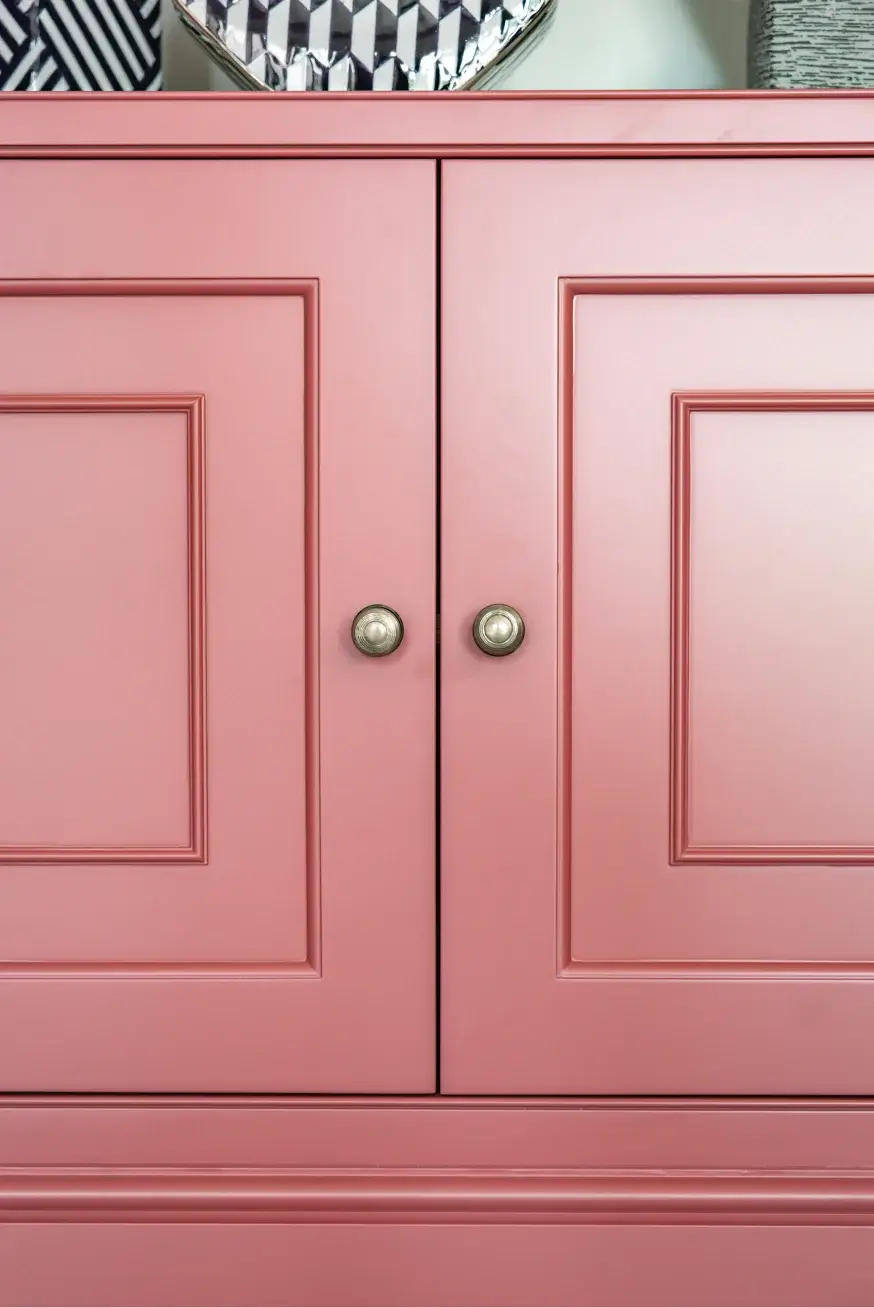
364, 45
811, 43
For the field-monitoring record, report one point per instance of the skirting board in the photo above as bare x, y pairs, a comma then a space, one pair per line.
429, 1201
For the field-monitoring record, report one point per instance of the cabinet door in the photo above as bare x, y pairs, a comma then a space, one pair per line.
658, 842
216, 446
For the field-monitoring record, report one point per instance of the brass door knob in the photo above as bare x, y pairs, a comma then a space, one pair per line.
498, 630
377, 631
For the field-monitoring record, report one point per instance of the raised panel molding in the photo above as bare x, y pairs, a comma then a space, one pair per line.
684, 408
568, 965
192, 409
195, 406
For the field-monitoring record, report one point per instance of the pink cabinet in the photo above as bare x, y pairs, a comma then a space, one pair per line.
436, 978
658, 445
216, 446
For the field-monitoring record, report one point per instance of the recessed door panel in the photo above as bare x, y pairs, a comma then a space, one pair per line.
97, 690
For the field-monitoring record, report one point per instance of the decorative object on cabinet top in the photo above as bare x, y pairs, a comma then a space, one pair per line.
363, 45
811, 43
48, 45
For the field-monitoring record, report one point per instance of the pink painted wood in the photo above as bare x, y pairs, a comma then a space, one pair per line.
434, 1200
718, 124
611, 1265
439, 1135
659, 446
364, 1201
214, 813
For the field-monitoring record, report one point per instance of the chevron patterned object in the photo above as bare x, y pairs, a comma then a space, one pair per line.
364, 45
80, 45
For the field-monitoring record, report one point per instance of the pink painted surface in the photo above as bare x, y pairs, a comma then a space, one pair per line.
774, 739
664, 1266
402, 1201
829, 1140
273, 963
435, 1201
657, 824
94, 663
598, 124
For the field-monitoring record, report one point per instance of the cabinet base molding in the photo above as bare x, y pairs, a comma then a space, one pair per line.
409, 1196
144, 1201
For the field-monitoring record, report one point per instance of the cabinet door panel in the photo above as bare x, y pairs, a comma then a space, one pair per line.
659, 446
204, 392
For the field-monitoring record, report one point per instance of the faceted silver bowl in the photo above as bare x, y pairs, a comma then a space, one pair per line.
365, 45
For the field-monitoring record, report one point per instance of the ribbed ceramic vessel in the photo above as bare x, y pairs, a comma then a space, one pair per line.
811, 43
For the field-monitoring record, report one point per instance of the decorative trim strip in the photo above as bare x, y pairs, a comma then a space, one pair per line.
437, 1196
192, 408
416, 1134
684, 406
308, 291
589, 125
437, 151
567, 965
36, 287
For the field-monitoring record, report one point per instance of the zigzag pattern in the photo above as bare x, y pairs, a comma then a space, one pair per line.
361, 45
80, 45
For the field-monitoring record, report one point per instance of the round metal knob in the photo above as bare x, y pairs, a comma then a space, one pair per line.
377, 631
498, 630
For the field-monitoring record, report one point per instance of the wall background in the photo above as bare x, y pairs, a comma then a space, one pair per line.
592, 44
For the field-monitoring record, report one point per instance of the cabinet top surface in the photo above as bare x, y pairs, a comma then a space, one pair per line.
444, 125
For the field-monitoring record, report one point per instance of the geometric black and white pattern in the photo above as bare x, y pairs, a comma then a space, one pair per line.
362, 45
80, 45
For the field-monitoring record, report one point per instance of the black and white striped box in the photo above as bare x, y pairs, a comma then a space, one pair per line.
80, 45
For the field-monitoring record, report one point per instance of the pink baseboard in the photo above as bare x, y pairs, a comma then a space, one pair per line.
313, 1265
428, 1201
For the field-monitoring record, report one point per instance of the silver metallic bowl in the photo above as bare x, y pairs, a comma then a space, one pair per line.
365, 45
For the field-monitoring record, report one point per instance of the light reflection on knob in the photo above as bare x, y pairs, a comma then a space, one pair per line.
498, 630
377, 631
